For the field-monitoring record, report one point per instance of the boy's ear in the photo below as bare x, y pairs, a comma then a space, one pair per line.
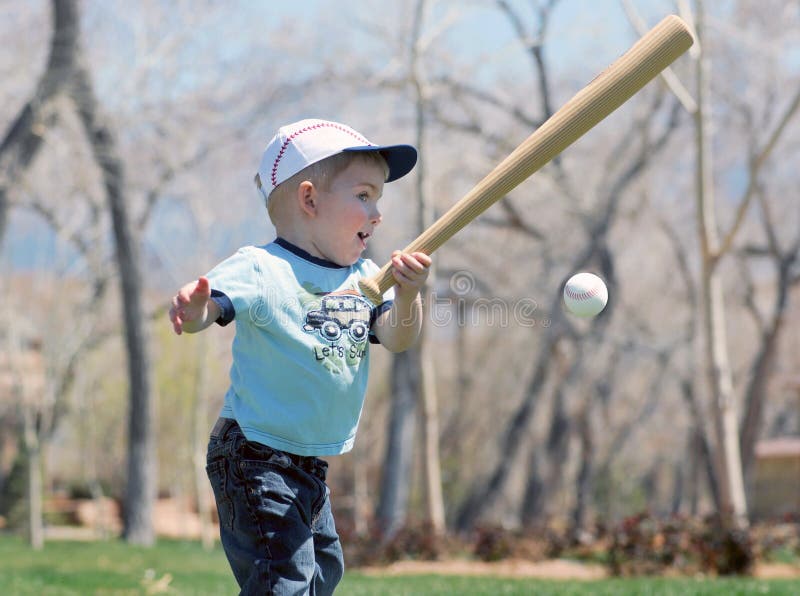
307, 198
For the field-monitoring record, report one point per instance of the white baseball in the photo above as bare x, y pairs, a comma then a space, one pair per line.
585, 295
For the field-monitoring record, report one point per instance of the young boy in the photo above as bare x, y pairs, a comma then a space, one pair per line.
300, 353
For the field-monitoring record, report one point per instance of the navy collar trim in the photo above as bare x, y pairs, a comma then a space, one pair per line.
296, 250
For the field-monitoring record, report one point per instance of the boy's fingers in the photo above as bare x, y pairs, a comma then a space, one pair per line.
177, 322
202, 286
422, 258
418, 261
400, 278
412, 263
201, 291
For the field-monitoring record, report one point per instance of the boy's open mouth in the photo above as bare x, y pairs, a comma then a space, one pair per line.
363, 236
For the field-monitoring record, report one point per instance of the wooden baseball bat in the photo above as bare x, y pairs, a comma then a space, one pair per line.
656, 50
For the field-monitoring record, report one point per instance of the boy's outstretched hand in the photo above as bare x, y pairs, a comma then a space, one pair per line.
189, 304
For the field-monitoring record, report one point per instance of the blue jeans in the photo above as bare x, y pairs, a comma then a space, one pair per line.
275, 516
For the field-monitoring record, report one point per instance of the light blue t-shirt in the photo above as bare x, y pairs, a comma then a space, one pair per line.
301, 349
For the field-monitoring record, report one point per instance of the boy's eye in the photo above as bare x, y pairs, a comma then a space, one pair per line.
363, 196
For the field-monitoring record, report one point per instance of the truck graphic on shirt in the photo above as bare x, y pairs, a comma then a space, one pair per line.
340, 312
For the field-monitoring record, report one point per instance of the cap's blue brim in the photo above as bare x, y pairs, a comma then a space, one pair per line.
401, 159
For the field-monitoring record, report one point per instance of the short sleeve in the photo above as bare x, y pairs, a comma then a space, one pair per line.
377, 312
226, 310
238, 278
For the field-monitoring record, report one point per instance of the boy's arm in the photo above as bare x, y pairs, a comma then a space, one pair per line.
398, 328
191, 309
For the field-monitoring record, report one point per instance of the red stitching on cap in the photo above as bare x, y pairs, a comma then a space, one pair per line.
297, 133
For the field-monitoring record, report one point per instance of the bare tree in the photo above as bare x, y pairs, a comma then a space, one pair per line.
23, 139
714, 246
771, 326
633, 153
430, 426
724, 414
699, 451
414, 382
25, 372
141, 477
395, 482
22, 144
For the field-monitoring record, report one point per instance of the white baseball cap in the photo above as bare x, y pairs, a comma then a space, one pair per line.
300, 144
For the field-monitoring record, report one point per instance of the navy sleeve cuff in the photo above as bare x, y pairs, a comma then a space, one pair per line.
376, 312
226, 311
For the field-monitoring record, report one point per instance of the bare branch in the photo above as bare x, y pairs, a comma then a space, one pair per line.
167, 175
746, 281
465, 90
769, 224
534, 44
667, 75
756, 163
637, 129
513, 221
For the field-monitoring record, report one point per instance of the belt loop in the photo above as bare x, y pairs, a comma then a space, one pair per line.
219, 427
320, 468
222, 426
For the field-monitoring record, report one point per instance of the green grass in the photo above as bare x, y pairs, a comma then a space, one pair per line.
114, 568
354, 584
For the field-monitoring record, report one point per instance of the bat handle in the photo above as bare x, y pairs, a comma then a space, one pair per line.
375, 286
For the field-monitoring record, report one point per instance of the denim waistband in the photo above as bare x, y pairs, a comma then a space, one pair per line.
308, 463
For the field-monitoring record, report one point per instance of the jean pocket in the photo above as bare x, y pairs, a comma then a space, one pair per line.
217, 475
256, 451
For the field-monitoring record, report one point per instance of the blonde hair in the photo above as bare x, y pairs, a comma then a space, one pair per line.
320, 174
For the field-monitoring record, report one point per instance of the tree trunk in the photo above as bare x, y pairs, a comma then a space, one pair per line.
693, 461
141, 466
728, 457
485, 495
360, 495
583, 482
434, 500
26, 133
536, 489
756, 392
701, 450
33, 458
200, 430
678, 486
397, 463
539, 489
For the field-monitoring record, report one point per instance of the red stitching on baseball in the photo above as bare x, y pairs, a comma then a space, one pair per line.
590, 293
297, 133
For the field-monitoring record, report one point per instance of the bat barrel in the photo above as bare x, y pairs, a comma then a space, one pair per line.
656, 50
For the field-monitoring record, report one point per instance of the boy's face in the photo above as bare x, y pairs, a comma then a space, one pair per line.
347, 213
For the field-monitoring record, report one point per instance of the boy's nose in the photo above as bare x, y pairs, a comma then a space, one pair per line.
376, 217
